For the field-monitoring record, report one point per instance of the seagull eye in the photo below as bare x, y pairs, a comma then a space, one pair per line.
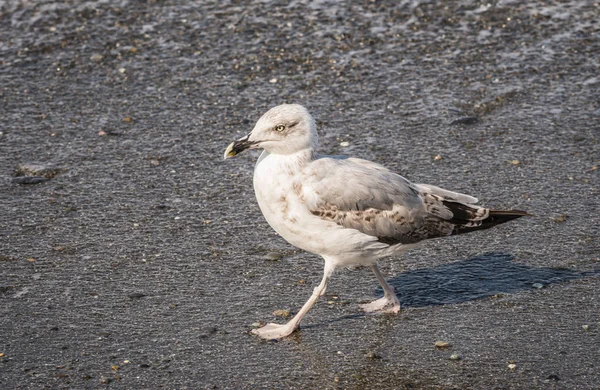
280, 128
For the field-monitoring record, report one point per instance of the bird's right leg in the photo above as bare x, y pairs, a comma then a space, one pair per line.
389, 297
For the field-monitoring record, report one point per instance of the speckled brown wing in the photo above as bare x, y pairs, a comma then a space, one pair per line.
365, 196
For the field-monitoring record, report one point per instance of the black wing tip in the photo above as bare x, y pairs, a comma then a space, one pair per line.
515, 213
495, 217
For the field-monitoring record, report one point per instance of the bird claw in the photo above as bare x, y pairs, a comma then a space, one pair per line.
273, 331
379, 306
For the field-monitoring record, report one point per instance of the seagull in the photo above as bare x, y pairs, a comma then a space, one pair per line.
349, 211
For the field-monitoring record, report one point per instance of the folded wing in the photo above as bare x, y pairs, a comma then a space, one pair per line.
365, 196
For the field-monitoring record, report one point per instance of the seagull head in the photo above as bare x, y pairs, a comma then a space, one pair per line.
284, 129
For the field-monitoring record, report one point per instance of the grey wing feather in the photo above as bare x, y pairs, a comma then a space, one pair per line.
448, 195
355, 184
365, 196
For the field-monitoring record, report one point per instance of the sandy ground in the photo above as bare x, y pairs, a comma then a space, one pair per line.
132, 256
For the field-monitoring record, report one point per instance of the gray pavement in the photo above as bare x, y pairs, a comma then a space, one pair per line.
132, 256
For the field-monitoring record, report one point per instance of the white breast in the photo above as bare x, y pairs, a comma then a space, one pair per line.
278, 191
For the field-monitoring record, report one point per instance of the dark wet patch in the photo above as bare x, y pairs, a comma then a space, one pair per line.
30, 179
467, 120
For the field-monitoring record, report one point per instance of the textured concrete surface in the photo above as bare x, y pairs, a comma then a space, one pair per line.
132, 256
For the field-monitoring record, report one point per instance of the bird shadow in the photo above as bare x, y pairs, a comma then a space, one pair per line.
475, 278
479, 277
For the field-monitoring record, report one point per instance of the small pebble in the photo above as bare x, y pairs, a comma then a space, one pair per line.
344, 144
97, 57
562, 218
281, 313
273, 80
372, 355
207, 331
585, 327
442, 344
33, 170
438, 157
512, 366
105, 380
454, 356
537, 285
274, 256
122, 70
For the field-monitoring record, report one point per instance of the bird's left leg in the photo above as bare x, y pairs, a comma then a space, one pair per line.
277, 331
389, 297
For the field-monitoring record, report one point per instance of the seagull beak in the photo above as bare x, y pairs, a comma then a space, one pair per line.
238, 146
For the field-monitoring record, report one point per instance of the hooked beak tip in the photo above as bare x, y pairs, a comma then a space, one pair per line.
229, 152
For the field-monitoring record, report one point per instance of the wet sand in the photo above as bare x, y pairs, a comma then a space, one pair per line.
132, 256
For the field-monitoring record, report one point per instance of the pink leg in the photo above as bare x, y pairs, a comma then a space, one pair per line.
277, 331
389, 297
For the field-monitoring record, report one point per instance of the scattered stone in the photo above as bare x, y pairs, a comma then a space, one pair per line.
585, 327
136, 295
105, 380
562, 218
512, 366
127, 119
442, 344
281, 313
274, 256
344, 144
372, 355
36, 171
537, 285
207, 331
273, 80
455, 356
514, 162
97, 57
437, 158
